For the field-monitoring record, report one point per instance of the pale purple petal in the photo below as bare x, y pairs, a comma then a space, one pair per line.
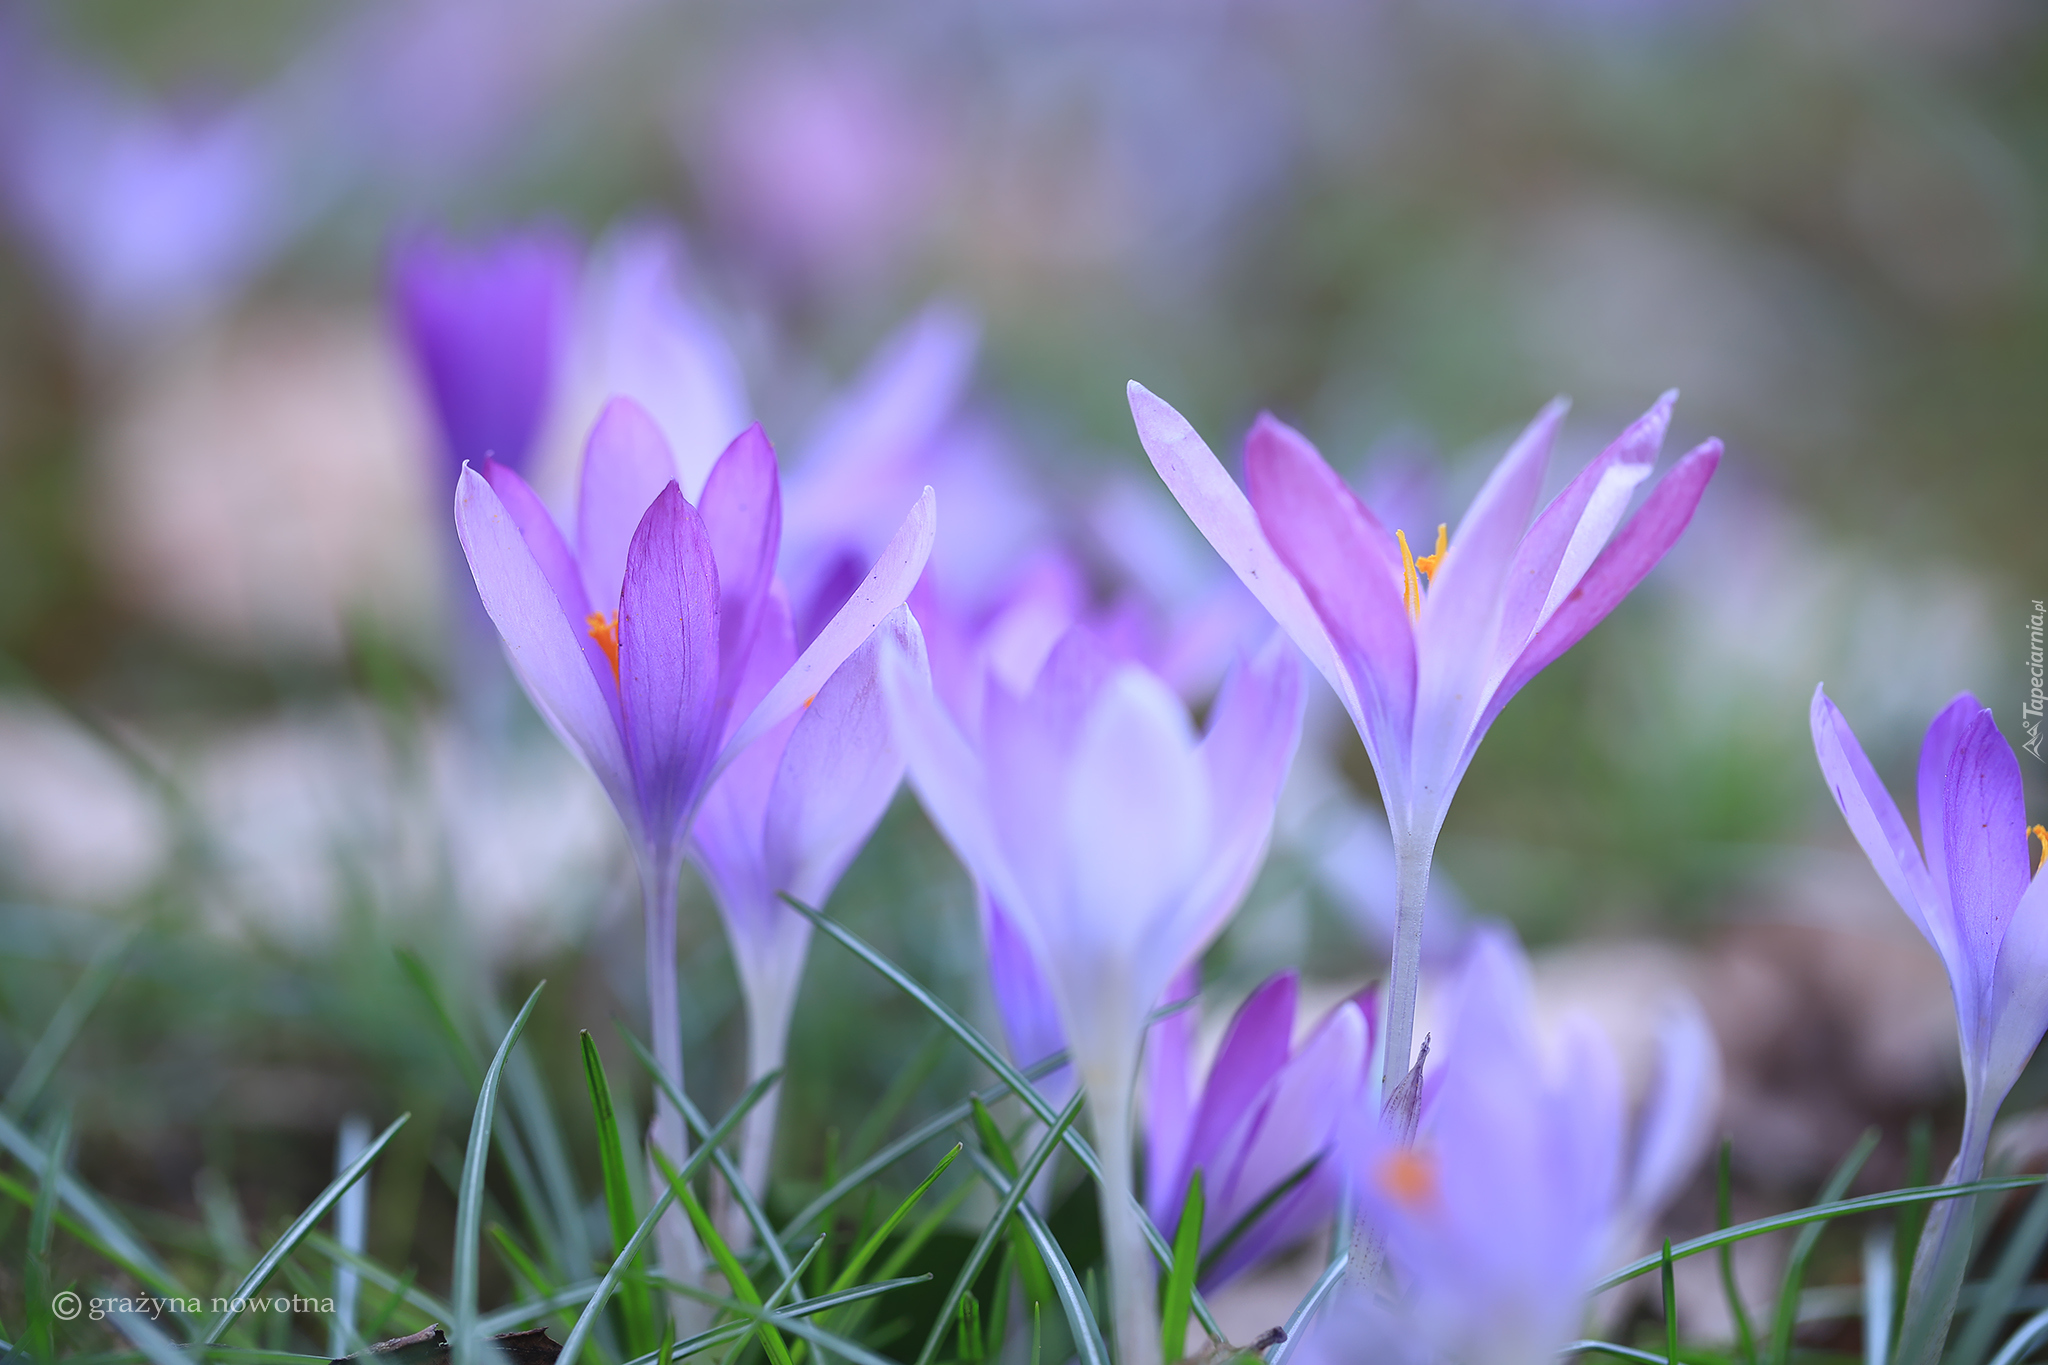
1028, 741
1678, 1117
1168, 1081
1875, 821
885, 588
1031, 1020
668, 664
1984, 832
1944, 736
1221, 512
2019, 995
626, 464
1337, 552
1254, 1049
552, 553
840, 769
546, 650
742, 511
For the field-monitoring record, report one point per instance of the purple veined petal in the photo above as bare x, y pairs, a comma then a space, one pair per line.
1568, 534
1334, 548
1875, 821
626, 464
1625, 562
1222, 513
742, 511
545, 649
1254, 1049
949, 778
2019, 996
1169, 1101
1944, 736
840, 769
1030, 1019
1984, 833
668, 664
1678, 1115
885, 588
552, 554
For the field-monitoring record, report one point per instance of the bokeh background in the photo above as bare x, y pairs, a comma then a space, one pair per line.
233, 774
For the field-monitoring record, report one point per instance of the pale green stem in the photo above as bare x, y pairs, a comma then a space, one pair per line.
676, 1242
1131, 1268
1943, 1256
1412, 854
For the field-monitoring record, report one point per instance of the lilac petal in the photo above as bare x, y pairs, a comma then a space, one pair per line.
1875, 821
551, 552
1221, 512
884, 590
1254, 1050
1335, 549
1614, 575
1944, 736
1169, 1101
626, 464
840, 770
1984, 833
545, 648
742, 511
668, 664
726, 838
1571, 531
2019, 994
1030, 1019
1678, 1116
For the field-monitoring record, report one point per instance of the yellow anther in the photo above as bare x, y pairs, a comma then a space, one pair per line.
604, 628
1408, 1178
2040, 832
1415, 570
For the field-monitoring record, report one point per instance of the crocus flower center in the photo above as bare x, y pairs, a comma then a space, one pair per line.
2040, 832
1408, 1177
1415, 569
604, 628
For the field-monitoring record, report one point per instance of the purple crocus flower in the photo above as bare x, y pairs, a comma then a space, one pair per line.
486, 326
1118, 842
635, 643
1967, 887
787, 816
1266, 1109
1425, 650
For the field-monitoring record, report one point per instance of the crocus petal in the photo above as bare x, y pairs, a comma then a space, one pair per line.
1221, 512
884, 590
1875, 821
1254, 1050
742, 511
1679, 1113
668, 664
1614, 575
545, 650
1031, 1020
840, 769
2019, 986
552, 554
1169, 1101
1944, 736
626, 464
1984, 831
1335, 549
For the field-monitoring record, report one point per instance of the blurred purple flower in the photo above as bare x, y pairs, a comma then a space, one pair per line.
1118, 843
1423, 671
1968, 888
1266, 1109
486, 326
788, 815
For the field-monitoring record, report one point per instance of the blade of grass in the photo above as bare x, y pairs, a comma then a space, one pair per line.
566, 1241
733, 1331
2022, 1342
636, 1304
1787, 1316
728, 1264
401, 1287
156, 1348
1625, 1352
1913, 1220
993, 1059
293, 1235
1013, 1197
1877, 1296
64, 1026
42, 1221
1724, 1210
759, 1319
519, 1314
860, 1258
2022, 1252
1298, 1320
902, 1086
117, 1241
517, 1261
1891, 1199
469, 1199
1215, 1254
1087, 1332
1180, 1281
992, 1140
1670, 1286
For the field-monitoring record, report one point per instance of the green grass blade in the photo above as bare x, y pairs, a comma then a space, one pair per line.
517, 1261
994, 1060
1214, 1256
401, 1287
992, 1140
1625, 1352
1180, 1281
2021, 1343
1787, 1317
759, 1319
1013, 1197
64, 1026
42, 1222
1088, 1344
902, 1086
2022, 1252
156, 1348
1724, 1210
880, 1236
1877, 1296
1891, 1199
296, 1233
728, 1264
116, 1239
636, 1303
1305, 1311
1670, 1285
1912, 1221
533, 1310
469, 1198
733, 1331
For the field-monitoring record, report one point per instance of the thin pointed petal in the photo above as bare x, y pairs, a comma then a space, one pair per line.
1678, 1116
1984, 833
1169, 1102
1944, 736
742, 511
1254, 1049
1875, 821
626, 464
552, 554
2020, 988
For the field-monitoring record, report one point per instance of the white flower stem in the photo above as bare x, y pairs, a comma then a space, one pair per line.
1412, 855
676, 1242
1942, 1257
767, 1046
1131, 1274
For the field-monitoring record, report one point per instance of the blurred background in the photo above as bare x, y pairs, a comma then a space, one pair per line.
239, 685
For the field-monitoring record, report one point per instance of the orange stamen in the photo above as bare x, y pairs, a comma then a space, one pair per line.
1416, 570
1408, 1177
2040, 832
1426, 564
604, 628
